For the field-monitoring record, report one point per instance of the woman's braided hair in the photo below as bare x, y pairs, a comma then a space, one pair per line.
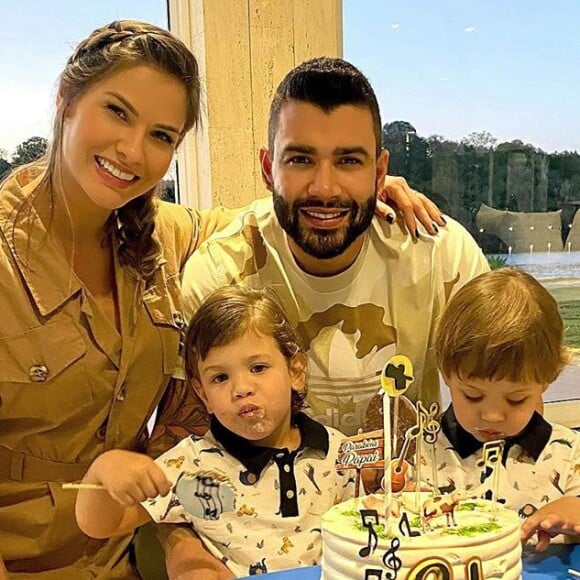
119, 45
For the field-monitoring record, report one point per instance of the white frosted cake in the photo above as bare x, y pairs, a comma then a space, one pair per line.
452, 539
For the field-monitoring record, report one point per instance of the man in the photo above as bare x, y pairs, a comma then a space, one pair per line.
358, 288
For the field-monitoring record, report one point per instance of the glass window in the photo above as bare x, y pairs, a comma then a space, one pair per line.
480, 109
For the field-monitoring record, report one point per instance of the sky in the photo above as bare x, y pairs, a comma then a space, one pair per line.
453, 67
36, 38
449, 67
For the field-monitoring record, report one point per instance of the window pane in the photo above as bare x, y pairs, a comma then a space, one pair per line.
480, 109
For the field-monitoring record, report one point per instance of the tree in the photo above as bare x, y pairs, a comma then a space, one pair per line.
480, 140
4, 163
30, 150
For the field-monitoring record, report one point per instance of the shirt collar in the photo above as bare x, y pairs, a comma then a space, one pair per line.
532, 440
42, 263
254, 457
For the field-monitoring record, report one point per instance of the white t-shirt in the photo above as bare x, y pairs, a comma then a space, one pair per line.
351, 324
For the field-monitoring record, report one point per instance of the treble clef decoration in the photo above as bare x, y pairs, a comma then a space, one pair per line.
431, 426
391, 560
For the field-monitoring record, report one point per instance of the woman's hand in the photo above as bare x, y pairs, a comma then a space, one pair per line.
396, 195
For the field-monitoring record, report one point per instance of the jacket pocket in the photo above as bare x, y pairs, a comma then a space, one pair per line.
42, 374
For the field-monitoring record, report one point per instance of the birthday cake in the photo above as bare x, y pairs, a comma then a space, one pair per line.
428, 534
484, 542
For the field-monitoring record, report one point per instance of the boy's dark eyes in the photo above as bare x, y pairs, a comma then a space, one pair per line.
517, 402
219, 378
259, 368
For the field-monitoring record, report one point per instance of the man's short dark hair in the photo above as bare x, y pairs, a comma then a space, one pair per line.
326, 83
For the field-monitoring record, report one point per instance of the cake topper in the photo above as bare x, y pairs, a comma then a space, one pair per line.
430, 436
491, 457
396, 378
400, 466
361, 451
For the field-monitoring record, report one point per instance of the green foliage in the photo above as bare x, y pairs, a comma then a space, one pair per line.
468, 506
29, 151
495, 261
459, 176
4, 167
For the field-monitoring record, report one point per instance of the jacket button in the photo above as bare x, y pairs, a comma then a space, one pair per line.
178, 319
38, 373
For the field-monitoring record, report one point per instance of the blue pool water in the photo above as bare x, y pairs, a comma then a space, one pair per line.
548, 267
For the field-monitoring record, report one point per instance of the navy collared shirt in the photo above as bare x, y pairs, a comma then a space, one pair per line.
255, 457
533, 439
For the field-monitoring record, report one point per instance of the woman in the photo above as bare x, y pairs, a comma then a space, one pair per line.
89, 286
90, 268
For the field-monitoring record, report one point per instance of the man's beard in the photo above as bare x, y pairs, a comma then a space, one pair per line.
320, 243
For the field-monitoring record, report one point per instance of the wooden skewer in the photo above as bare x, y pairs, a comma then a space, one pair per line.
68, 486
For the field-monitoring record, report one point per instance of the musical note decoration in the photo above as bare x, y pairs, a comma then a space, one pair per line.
368, 518
391, 561
430, 436
405, 527
491, 457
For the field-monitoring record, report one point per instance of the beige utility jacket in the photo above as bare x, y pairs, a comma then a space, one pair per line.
71, 386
